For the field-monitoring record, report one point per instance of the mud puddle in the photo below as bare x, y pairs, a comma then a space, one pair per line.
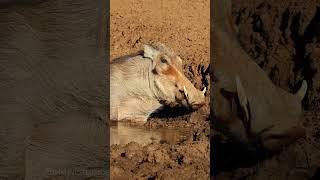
124, 133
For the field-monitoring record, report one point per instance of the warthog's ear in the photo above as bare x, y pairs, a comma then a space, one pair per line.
243, 100
150, 52
302, 91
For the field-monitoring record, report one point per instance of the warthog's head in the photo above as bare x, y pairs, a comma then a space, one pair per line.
270, 123
171, 85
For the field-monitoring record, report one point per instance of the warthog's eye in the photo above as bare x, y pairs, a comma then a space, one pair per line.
163, 60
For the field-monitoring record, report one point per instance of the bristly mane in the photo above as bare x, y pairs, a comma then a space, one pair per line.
122, 59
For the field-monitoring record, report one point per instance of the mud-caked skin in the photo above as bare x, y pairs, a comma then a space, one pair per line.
248, 107
145, 81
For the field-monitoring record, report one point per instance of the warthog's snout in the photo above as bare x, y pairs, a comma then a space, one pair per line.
194, 101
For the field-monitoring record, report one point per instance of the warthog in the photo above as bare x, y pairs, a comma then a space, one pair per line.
141, 83
248, 107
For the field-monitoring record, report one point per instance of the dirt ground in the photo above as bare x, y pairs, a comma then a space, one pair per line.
183, 26
283, 38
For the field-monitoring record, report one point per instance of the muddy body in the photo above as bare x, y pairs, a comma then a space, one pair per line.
142, 83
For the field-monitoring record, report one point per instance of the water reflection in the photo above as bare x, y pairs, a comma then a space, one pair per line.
124, 133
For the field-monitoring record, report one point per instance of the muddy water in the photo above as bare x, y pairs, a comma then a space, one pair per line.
123, 133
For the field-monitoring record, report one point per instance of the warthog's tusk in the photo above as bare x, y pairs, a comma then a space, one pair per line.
185, 91
302, 91
242, 96
204, 90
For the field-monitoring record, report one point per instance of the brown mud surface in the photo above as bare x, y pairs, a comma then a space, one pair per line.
183, 26
283, 37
